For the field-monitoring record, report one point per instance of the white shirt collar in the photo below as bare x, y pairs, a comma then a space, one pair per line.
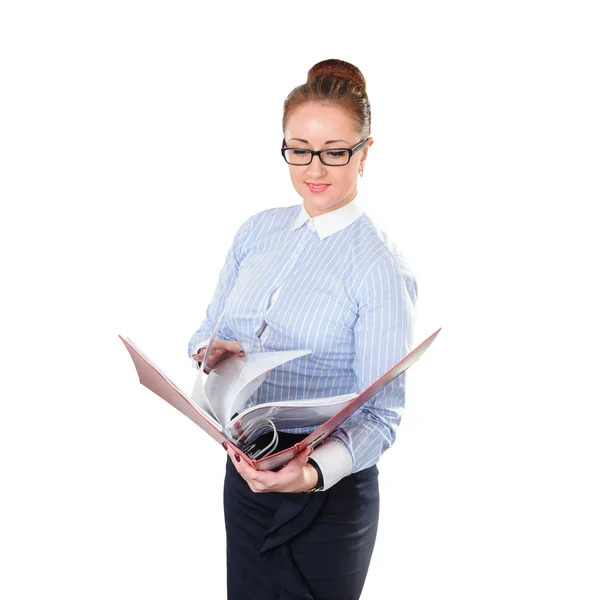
330, 222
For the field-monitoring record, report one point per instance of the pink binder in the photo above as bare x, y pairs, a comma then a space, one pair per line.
156, 381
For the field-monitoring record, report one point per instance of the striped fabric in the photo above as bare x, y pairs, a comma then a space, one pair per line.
335, 284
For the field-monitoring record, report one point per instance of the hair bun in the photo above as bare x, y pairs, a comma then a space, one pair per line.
337, 69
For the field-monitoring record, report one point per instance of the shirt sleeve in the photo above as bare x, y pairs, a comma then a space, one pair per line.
334, 460
227, 277
383, 336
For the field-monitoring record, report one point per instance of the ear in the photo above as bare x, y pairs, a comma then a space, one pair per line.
365, 151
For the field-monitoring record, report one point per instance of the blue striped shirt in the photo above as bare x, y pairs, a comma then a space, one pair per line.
343, 290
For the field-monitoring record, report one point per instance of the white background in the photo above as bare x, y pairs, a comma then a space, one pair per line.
135, 139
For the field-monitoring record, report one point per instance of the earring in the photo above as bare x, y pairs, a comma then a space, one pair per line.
360, 171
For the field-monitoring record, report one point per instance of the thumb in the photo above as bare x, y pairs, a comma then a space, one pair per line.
303, 456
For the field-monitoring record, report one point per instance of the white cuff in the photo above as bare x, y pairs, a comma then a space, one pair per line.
334, 460
203, 344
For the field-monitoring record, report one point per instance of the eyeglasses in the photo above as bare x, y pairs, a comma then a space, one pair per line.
334, 157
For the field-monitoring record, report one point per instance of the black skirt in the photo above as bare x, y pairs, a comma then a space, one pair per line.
299, 546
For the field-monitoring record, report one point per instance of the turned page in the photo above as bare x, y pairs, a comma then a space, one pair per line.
236, 378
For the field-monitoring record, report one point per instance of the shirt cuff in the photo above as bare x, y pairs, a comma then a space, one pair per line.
201, 345
334, 460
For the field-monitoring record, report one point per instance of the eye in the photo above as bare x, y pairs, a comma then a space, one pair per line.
336, 154
300, 152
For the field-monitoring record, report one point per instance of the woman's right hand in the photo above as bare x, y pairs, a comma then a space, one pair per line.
221, 349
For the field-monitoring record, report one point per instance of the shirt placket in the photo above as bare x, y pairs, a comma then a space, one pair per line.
264, 330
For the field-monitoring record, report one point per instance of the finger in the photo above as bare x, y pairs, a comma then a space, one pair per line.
229, 346
306, 453
218, 355
239, 463
214, 351
215, 357
260, 479
199, 355
247, 472
210, 361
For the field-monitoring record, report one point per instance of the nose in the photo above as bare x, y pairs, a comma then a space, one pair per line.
316, 169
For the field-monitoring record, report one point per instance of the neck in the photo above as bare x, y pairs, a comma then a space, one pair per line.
316, 212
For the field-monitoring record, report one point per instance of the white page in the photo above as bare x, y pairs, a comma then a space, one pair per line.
236, 378
199, 397
199, 393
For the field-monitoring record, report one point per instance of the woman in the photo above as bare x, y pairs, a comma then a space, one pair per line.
319, 275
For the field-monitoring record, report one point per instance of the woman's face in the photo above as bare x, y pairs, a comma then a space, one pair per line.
312, 126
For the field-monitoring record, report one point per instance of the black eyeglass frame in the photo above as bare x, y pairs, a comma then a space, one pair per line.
351, 151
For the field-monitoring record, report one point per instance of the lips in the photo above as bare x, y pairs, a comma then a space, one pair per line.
319, 186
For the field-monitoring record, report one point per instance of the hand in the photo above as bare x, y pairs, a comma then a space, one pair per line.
221, 349
296, 476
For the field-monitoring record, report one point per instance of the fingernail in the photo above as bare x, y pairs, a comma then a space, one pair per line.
237, 457
225, 445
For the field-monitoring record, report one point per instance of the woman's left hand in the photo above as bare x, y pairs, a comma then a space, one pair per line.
296, 476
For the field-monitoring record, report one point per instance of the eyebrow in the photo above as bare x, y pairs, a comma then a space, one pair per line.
329, 142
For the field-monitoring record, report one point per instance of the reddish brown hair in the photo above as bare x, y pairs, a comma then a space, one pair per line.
338, 83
